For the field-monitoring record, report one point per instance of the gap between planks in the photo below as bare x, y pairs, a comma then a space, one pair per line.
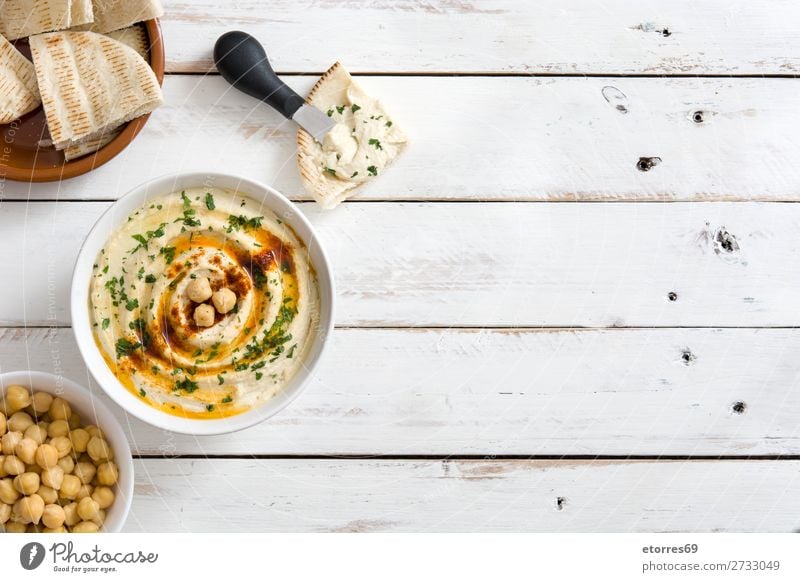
485, 458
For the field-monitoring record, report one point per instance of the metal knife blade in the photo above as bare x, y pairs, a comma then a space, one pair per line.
313, 121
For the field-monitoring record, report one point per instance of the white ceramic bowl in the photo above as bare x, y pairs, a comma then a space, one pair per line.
81, 318
91, 411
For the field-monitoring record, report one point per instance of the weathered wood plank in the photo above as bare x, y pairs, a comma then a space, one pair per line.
493, 139
561, 264
505, 392
464, 496
505, 36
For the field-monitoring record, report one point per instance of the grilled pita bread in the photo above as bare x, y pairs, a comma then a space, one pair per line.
21, 18
90, 84
335, 86
135, 37
110, 15
18, 91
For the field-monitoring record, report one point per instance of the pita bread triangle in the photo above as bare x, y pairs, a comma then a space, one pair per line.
21, 18
18, 91
110, 15
334, 86
90, 84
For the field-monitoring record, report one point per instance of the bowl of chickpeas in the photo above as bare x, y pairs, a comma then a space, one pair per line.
65, 463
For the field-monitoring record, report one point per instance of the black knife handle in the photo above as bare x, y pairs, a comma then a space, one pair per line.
243, 62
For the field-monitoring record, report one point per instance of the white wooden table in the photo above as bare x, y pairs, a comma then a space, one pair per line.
536, 331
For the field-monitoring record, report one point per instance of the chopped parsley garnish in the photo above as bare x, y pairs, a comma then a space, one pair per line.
227, 399
132, 304
210, 407
220, 379
125, 347
373, 171
340, 109
290, 353
169, 254
388, 124
259, 375
150, 278
330, 171
242, 222
330, 112
354, 108
142, 393
189, 213
376, 143
187, 385
210, 201
106, 323
140, 274
147, 237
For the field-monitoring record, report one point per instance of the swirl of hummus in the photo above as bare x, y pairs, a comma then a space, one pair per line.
144, 315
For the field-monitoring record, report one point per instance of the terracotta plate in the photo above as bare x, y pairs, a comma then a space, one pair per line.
23, 158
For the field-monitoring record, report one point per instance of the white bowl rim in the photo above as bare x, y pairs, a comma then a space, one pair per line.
107, 422
79, 301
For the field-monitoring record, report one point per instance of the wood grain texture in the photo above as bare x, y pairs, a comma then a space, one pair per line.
492, 139
505, 392
493, 264
464, 496
501, 36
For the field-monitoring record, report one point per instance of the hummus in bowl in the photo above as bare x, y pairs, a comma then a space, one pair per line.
202, 302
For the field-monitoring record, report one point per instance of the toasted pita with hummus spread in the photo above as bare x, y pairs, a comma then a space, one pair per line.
21, 18
363, 143
110, 15
18, 91
90, 84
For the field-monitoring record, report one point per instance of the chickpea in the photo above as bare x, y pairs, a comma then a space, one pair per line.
53, 477
27, 483
26, 451
104, 496
67, 463
17, 398
7, 492
204, 315
74, 421
5, 512
3, 424
88, 509
58, 428
28, 509
95, 431
3, 472
60, 409
85, 472
19, 421
62, 445
199, 289
100, 519
70, 487
9, 441
80, 439
36, 433
86, 527
47, 456
49, 494
15, 527
53, 515
99, 450
224, 300
71, 514
107, 473
84, 491
13, 466
41, 402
